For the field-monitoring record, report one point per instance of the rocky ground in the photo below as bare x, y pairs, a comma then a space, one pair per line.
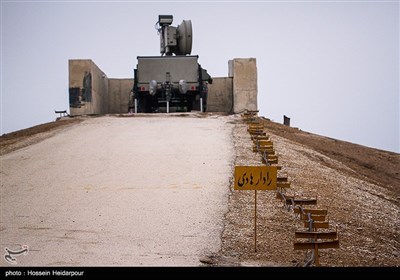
359, 186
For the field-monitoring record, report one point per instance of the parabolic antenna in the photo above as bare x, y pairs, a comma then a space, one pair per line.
185, 38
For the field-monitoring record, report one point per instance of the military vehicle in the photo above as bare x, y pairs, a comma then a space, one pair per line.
174, 81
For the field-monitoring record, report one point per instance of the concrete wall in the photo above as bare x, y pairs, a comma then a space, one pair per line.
118, 95
88, 88
220, 95
77, 69
244, 73
100, 90
91, 92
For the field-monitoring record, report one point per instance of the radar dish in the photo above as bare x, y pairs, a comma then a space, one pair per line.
185, 38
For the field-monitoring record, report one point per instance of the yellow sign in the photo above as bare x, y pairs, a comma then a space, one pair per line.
255, 177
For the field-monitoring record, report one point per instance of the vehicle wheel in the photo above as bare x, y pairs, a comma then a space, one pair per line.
141, 105
189, 104
147, 105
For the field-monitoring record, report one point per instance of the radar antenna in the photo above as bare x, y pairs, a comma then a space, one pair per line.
174, 40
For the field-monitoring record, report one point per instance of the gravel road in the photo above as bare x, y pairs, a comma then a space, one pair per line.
114, 191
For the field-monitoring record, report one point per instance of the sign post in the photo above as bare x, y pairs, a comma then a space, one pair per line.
255, 220
255, 178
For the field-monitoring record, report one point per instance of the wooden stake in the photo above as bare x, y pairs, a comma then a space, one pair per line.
255, 220
316, 255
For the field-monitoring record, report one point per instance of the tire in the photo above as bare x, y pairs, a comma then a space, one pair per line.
189, 103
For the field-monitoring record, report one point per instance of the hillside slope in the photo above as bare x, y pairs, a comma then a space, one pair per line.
359, 186
377, 166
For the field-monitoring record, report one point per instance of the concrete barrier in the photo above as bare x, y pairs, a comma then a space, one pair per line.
92, 92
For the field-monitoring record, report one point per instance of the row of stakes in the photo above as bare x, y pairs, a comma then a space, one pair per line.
317, 234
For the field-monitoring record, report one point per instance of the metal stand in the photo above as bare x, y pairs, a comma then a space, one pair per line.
135, 105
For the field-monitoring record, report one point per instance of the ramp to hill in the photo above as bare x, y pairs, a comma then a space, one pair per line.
112, 191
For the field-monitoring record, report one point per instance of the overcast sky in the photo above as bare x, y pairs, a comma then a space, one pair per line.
331, 66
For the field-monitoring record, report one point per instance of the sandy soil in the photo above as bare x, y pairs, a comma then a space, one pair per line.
115, 191
359, 186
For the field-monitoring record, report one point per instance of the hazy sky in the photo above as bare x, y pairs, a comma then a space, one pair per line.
331, 66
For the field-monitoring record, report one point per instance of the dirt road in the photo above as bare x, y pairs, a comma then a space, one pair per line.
168, 199
116, 191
